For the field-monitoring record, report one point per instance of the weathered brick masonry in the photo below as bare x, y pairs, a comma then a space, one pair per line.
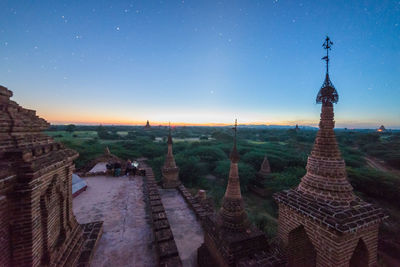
37, 225
322, 222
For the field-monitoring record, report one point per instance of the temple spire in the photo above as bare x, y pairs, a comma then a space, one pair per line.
234, 156
326, 177
170, 171
232, 213
169, 135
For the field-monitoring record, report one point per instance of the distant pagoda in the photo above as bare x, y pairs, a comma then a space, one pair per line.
265, 168
297, 128
170, 172
257, 185
229, 238
147, 126
322, 222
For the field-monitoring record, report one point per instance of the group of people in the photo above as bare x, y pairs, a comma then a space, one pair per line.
131, 167
116, 168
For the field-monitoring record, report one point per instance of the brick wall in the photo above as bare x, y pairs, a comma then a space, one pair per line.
332, 248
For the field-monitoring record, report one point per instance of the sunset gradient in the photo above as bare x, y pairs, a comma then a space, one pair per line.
201, 62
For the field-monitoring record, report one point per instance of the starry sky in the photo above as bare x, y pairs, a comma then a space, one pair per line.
201, 62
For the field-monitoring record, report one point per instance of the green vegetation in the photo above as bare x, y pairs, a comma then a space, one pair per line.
202, 154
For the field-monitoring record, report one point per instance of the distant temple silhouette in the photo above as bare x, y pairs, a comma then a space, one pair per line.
257, 185
147, 126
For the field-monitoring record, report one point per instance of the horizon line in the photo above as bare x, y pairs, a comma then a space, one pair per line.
180, 124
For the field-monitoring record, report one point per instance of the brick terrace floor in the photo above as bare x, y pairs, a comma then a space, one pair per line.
127, 235
187, 230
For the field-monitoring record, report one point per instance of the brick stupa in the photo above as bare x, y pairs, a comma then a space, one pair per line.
170, 172
322, 222
37, 225
229, 238
257, 185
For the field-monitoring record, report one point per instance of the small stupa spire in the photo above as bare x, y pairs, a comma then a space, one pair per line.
234, 156
170, 171
169, 142
232, 214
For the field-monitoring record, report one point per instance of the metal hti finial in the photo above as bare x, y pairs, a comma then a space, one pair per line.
235, 128
327, 95
169, 134
327, 45
234, 154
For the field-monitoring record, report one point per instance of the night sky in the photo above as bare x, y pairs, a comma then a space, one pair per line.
201, 62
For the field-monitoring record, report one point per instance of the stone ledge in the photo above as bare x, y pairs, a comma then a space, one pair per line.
92, 233
200, 210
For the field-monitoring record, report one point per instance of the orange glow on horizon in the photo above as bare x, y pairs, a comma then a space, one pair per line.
158, 123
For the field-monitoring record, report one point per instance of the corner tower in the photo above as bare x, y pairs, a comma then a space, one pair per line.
170, 172
322, 222
37, 225
229, 238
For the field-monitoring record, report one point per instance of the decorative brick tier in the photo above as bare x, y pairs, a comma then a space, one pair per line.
164, 239
326, 178
307, 240
358, 215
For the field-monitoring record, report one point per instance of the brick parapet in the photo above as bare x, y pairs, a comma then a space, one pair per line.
167, 250
200, 208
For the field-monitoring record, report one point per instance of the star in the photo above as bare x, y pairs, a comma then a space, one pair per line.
117, 28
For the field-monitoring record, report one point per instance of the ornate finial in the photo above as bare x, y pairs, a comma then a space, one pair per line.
234, 154
327, 95
235, 129
327, 45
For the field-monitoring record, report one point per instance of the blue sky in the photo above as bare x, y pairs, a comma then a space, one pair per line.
201, 61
